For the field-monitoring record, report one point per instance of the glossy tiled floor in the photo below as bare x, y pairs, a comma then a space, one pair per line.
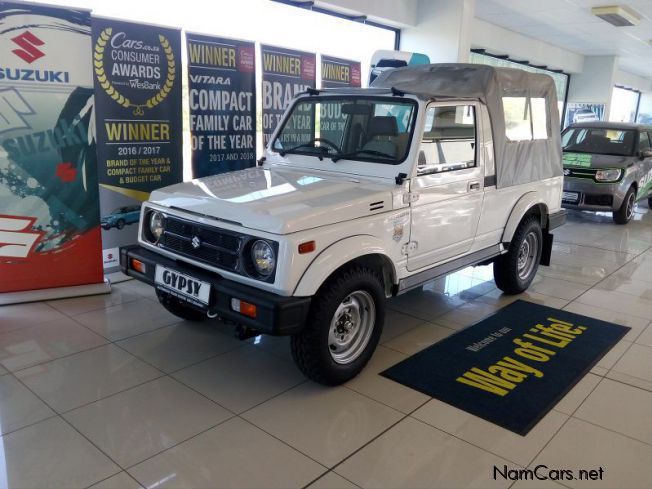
114, 392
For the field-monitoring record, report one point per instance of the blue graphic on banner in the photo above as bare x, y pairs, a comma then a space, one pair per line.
222, 97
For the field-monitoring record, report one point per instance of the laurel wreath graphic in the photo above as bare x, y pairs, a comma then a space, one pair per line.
112, 92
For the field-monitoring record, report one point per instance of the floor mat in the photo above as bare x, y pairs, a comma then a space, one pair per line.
512, 367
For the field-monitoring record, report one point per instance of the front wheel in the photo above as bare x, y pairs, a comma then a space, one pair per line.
515, 270
649, 202
626, 211
343, 327
120, 224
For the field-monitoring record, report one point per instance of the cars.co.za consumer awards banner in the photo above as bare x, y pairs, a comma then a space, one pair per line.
49, 215
286, 73
137, 73
222, 99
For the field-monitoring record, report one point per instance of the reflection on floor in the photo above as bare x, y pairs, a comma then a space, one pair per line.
114, 391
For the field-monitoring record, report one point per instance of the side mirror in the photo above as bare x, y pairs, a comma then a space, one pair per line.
645, 154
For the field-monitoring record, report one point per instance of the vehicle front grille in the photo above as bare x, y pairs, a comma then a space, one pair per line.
216, 247
579, 173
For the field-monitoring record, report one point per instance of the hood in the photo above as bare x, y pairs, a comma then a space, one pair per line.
597, 161
278, 200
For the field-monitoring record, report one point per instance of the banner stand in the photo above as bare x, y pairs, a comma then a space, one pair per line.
55, 293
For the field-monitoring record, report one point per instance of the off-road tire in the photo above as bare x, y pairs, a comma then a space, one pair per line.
310, 348
178, 308
624, 214
506, 267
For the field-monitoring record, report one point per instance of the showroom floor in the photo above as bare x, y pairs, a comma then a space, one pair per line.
114, 390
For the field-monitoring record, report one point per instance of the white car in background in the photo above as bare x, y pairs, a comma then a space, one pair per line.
364, 194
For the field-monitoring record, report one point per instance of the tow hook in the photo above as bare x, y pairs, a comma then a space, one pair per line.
244, 333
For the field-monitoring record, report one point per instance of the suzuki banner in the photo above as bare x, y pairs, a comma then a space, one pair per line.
286, 73
137, 70
222, 98
49, 212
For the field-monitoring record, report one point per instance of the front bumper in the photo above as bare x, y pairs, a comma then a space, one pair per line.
276, 315
594, 196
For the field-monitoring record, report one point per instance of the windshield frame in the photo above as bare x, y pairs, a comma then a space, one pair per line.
324, 97
623, 129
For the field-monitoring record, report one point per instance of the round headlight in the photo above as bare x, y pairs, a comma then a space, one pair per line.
262, 255
155, 225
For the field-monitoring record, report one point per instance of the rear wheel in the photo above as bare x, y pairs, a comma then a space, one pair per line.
515, 270
343, 327
178, 308
626, 211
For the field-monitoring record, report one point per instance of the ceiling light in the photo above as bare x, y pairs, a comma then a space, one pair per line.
616, 15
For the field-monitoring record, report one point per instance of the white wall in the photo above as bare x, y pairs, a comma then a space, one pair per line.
596, 82
397, 13
442, 31
630, 80
498, 40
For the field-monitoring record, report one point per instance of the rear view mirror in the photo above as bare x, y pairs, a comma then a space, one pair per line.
356, 109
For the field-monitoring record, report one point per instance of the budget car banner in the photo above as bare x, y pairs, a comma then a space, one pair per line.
49, 211
336, 73
137, 74
222, 98
286, 73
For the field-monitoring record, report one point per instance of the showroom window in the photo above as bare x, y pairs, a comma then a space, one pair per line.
624, 104
561, 79
448, 141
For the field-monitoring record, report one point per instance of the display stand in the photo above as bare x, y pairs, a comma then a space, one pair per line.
55, 293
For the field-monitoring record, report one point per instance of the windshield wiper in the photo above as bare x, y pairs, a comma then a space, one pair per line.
342, 156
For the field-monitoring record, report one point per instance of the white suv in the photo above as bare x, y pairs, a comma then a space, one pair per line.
363, 194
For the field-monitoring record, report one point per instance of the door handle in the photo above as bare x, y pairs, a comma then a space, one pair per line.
474, 186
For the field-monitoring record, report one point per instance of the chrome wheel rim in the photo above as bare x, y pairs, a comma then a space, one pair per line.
527, 255
351, 327
630, 207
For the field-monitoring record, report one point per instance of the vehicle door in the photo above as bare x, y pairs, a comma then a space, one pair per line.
447, 191
644, 173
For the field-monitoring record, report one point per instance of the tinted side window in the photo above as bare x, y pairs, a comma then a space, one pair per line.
448, 141
644, 141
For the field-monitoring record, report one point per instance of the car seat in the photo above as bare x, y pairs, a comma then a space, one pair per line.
381, 135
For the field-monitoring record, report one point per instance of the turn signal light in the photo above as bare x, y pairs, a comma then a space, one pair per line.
138, 265
307, 247
244, 308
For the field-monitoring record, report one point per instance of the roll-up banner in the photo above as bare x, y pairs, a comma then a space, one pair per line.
49, 212
137, 73
286, 72
336, 73
222, 97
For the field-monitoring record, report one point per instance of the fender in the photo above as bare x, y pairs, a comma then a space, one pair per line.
336, 255
524, 204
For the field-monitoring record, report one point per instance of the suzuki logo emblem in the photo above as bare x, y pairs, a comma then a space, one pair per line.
196, 242
28, 42
567, 172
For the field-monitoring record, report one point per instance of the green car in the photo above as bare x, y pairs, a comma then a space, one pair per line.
607, 167
120, 217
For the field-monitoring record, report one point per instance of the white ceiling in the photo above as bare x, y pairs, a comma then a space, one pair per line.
569, 24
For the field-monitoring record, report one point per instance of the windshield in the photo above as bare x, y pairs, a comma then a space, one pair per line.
617, 142
374, 129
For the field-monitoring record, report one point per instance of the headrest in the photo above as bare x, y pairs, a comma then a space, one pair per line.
382, 125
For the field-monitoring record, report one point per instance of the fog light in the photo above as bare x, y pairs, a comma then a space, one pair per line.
244, 308
138, 265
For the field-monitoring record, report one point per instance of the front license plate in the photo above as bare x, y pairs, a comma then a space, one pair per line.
183, 286
571, 197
